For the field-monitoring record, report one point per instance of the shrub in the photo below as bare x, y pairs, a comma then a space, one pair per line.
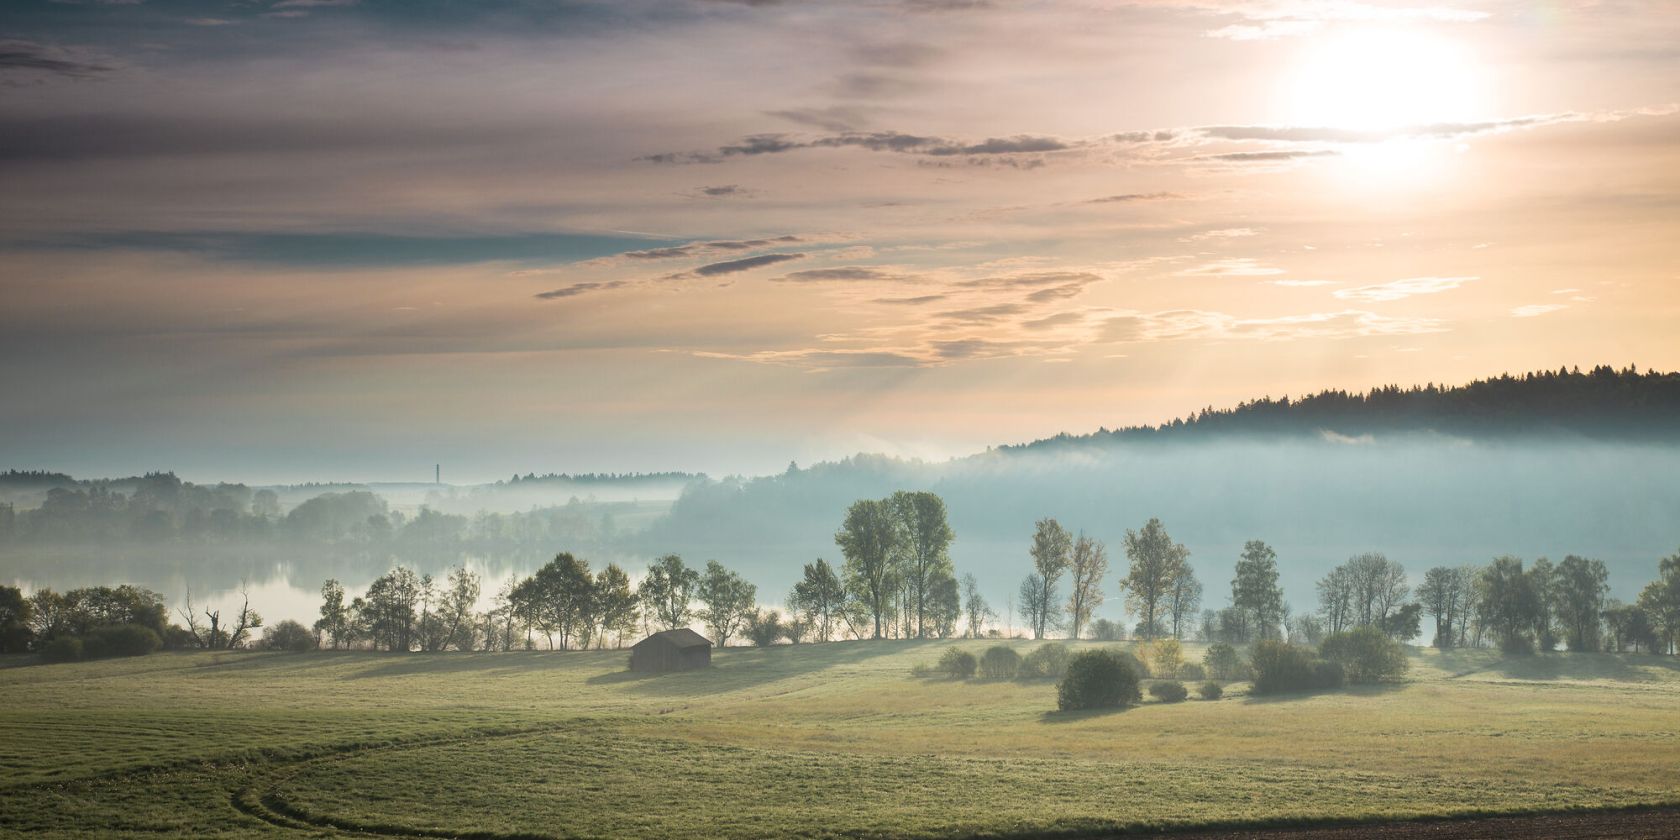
1104, 630
1210, 690
1098, 679
1166, 655
1223, 663
957, 664
1139, 667
289, 636
1366, 655
1191, 671
999, 662
1049, 661
1281, 667
1168, 691
62, 649
120, 640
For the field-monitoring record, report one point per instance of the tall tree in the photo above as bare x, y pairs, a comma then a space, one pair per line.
1660, 601
1255, 593
925, 557
820, 596
615, 605
668, 592
1052, 553
1543, 578
1154, 563
975, 608
1036, 596
727, 601
335, 614
1089, 565
455, 610
870, 538
1184, 597
1510, 604
1578, 595
1439, 596
1335, 599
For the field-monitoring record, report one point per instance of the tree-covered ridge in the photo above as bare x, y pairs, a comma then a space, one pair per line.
1600, 403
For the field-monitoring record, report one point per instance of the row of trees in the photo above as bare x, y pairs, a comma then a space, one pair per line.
161, 508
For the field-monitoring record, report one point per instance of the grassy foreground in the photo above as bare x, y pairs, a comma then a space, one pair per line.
833, 739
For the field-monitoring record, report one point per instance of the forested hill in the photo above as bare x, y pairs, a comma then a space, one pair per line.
1603, 403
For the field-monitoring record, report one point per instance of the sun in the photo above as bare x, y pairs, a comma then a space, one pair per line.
1383, 79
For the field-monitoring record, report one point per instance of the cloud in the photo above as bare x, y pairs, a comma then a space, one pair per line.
1031, 280
1186, 324
743, 264
912, 301
1398, 289
1267, 157
1129, 198
849, 273
1222, 233
724, 191
1268, 20
1239, 267
1536, 309
875, 141
28, 56
1302, 284
579, 288
697, 249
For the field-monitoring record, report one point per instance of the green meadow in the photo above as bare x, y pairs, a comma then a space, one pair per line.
818, 740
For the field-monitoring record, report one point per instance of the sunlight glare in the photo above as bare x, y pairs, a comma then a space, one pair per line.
1383, 79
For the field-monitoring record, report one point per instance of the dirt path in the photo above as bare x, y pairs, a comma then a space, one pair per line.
1632, 824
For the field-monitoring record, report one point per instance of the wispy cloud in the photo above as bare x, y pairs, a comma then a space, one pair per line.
1238, 267
1398, 289
1534, 310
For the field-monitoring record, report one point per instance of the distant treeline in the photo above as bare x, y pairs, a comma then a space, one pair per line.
603, 478
161, 508
1599, 403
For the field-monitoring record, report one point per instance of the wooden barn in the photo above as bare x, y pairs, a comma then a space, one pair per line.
671, 650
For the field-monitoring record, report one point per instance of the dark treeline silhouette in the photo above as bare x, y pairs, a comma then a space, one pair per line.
161, 508
1600, 403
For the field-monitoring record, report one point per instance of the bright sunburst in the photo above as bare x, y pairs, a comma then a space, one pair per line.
1383, 79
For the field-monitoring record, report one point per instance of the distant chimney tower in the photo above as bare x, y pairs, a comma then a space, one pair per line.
437, 473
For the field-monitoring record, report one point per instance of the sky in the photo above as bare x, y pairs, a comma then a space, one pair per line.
289, 240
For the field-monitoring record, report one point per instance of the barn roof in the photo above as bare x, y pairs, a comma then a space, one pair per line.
682, 637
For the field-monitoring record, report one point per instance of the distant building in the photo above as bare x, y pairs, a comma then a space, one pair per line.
671, 650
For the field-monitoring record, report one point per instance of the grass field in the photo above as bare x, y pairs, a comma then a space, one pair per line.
835, 740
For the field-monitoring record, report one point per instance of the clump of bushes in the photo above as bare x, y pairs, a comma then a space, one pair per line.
62, 649
1168, 691
1280, 667
289, 636
1192, 672
1139, 667
120, 640
1049, 661
1210, 690
1166, 656
1000, 662
1098, 679
957, 664
1223, 662
1366, 654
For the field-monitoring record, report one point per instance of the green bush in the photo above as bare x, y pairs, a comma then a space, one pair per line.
120, 640
1191, 671
1223, 663
1168, 691
1210, 690
957, 664
289, 636
1280, 667
1098, 679
1139, 667
1366, 654
62, 649
1049, 661
999, 662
